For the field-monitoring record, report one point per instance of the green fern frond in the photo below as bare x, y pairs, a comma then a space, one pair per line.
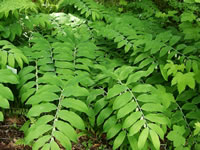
9, 55
87, 7
15, 7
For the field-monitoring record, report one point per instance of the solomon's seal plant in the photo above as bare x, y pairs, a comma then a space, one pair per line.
77, 65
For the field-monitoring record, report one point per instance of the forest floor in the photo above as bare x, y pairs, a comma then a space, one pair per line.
10, 136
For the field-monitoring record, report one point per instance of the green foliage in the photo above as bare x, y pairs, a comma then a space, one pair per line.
10, 55
6, 95
134, 76
177, 136
15, 7
88, 8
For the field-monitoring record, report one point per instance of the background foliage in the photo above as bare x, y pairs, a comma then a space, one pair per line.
130, 70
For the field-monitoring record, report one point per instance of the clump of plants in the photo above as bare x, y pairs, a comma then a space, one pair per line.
131, 72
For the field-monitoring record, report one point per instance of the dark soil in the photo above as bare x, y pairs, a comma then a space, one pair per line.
10, 134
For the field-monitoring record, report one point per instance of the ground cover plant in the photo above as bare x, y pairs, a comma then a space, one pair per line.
126, 69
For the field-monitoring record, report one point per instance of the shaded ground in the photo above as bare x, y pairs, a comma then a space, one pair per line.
9, 134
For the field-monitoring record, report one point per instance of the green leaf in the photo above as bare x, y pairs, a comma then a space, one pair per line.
26, 78
40, 142
19, 60
130, 120
163, 72
133, 142
135, 128
104, 114
3, 59
146, 62
99, 105
157, 129
116, 90
7, 76
54, 145
46, 147
37, 132
182, 80
164, 36
162, 96
118, 38
147, 98
143, 138
11, 60
151, 107
22, 5
197, 128
174, 40
125, 71
49, 88
4, 102
74, 119
67, 130
36, 110
188, 16
156, 46
40, 121
75, 104
143, 88
158, 118
109, 123
177, 136
189, 106
119, 139
189, 1
121, 44
61, 64
155, 139
27, 94
51, 79
93, 95
113, 131
135, 77
63, 139
122, 100
42, 97
165, 50
140, 57
126, 109
128, 47
173, 68
6, 92
75, 91
197, 146
1, 116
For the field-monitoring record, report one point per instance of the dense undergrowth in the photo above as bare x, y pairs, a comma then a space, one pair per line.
131, 71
